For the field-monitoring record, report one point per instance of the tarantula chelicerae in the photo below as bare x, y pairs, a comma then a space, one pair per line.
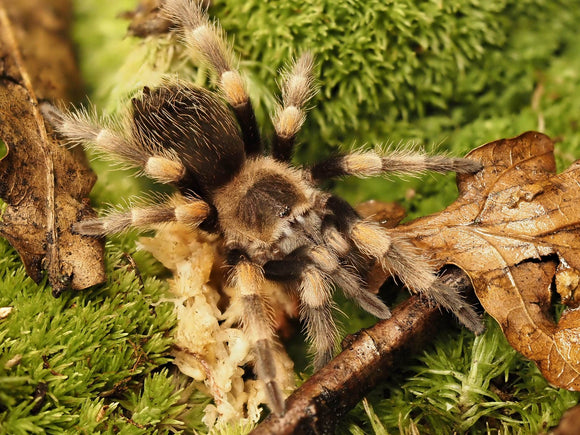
276, 224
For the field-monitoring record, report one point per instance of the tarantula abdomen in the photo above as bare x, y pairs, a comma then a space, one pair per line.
190, 121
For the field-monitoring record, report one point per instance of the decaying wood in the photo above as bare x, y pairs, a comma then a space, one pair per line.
515, 230
41, 33
44, 185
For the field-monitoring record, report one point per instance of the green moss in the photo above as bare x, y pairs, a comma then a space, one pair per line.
467, 385
87, 350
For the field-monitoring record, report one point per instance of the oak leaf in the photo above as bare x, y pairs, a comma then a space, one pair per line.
44, 185
515, 230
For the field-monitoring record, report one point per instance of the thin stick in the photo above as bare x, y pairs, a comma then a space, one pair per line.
367, 358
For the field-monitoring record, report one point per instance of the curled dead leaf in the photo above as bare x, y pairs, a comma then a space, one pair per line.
44, 185
514, 225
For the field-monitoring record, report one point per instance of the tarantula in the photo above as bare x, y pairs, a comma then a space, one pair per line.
275, 222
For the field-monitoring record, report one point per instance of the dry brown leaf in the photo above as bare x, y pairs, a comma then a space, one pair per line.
45, 186
515, 224
386, 214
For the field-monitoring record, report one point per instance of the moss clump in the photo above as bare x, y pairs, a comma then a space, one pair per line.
65, 361
466, 385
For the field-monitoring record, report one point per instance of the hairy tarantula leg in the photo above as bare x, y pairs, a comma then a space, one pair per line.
208, 39
335, 228
351, 286
189, 212
82, 128
371, 163
248, 279
287, 270
315, 292
315, 295
400, 257
354, 289
297, 89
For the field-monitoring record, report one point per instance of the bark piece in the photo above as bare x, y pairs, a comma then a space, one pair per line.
368, 357
44, 185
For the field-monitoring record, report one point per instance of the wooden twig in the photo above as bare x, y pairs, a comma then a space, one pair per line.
368, 357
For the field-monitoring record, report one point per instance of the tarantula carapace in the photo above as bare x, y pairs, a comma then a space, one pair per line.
275, 223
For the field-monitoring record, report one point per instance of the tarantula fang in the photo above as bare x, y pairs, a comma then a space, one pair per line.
275, 222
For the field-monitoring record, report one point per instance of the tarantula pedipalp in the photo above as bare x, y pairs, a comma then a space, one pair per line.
275, 222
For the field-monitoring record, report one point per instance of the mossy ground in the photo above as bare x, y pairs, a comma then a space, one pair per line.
445, 75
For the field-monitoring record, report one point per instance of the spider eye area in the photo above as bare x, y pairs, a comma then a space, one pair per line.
284, 211
270, 198
262, 202
235, 255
